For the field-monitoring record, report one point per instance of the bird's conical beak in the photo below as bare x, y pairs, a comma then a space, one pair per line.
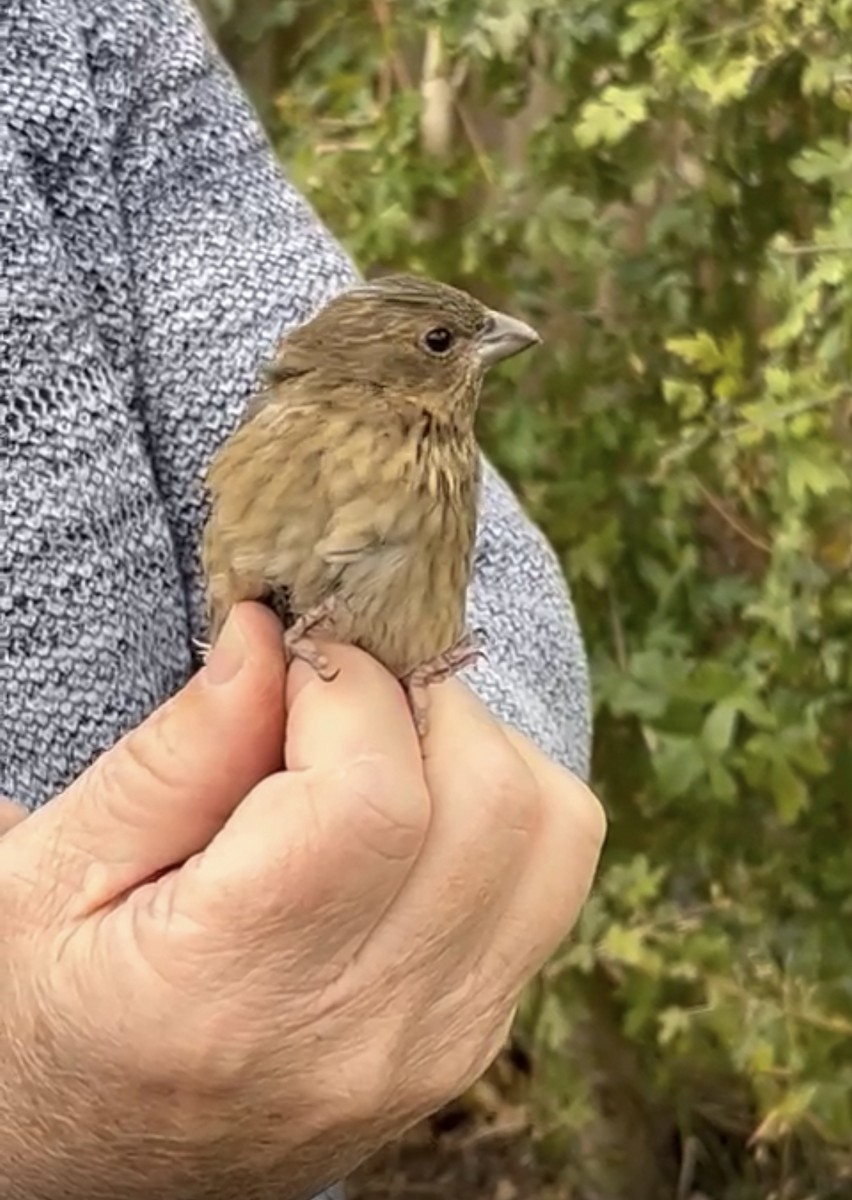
502, 337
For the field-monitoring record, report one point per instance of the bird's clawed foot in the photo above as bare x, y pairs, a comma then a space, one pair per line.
463, 653
202, 649
298, 644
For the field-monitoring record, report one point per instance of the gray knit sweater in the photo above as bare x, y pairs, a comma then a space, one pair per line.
150, 255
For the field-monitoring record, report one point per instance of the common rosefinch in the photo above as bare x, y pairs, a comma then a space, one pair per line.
347, 498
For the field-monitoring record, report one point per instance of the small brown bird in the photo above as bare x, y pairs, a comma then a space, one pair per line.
347, 497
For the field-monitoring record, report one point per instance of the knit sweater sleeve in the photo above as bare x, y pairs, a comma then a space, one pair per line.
225, 256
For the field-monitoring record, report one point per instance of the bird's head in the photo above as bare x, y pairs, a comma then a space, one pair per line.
406, 337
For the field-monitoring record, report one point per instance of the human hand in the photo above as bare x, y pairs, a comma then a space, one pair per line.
10, 814
224, 980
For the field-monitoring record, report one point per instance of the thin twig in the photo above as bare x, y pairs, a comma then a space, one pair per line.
323, 148
470, 132
676, 454
686, 1174
829, 1024
382, 15
813, 248
617, 631
794, 409
726, 31
737, 526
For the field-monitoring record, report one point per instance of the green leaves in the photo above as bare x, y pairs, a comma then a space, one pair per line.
665, 190
610, 117
724, 83
830, 160
814, 475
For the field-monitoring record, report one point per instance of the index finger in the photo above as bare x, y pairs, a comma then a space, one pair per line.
321, 850
364, 706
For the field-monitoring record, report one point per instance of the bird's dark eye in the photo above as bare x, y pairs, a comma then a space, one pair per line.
439, 340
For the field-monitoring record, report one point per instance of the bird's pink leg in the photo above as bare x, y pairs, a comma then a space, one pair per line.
297, 643
463, 653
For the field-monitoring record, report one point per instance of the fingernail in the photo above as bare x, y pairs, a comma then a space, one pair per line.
227, 656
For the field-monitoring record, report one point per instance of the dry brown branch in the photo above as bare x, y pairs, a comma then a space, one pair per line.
730, 520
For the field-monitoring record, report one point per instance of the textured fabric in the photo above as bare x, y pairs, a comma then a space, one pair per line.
150, 256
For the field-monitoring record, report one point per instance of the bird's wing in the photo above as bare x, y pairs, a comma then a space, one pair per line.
266, 505
365, 478
368, 524
302, 493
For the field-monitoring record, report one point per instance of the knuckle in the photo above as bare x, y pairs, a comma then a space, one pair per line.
472, 1036
209, 1046
515, 793
363, 1089
493, 1026
457, 1070
447, 1079
493, 1043
149, 757
587, 814
592, 816
215, 1054
504, 967
390, 810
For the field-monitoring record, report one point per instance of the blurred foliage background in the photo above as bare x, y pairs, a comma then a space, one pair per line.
665, 188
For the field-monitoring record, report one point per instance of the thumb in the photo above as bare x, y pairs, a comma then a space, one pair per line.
162, 792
